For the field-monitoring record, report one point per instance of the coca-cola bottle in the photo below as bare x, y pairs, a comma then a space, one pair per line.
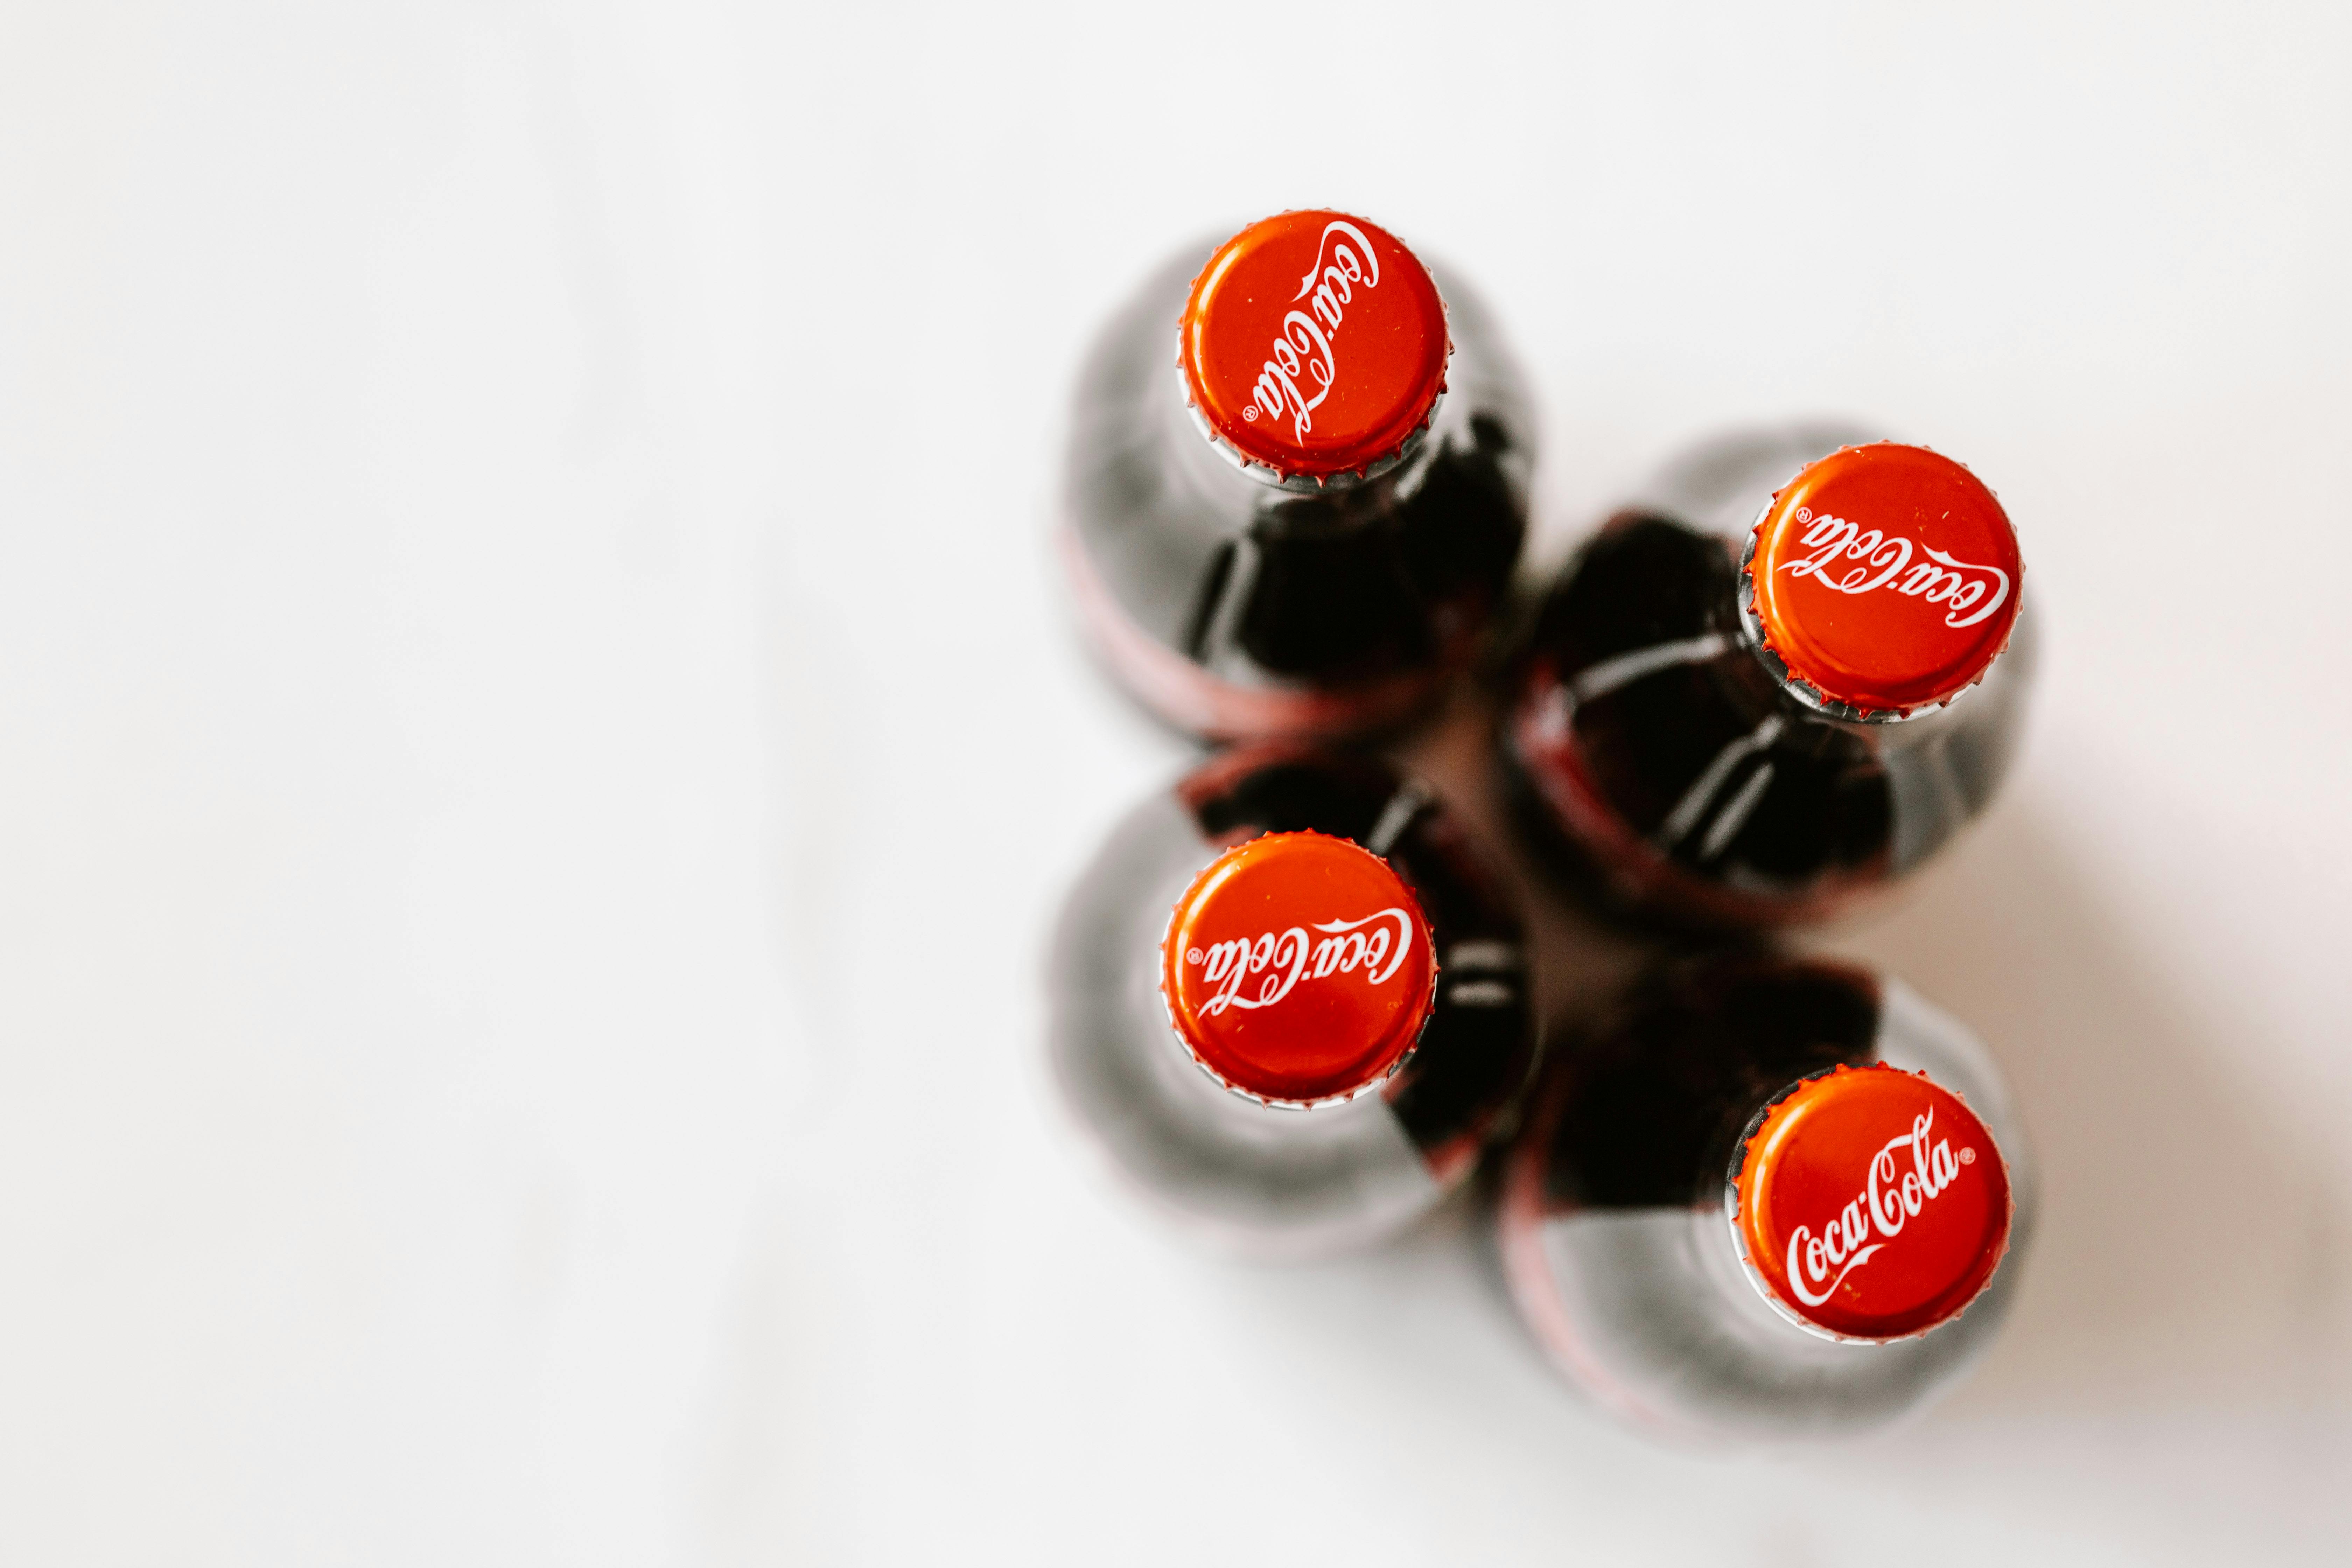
1739, 705
1296, 483
1288, 1002
1772, 1198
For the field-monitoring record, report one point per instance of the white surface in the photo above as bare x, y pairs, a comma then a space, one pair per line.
537, 745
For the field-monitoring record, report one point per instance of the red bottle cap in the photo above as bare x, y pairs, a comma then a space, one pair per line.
1298, 969
1314, 344
1872, 1204
1885, 577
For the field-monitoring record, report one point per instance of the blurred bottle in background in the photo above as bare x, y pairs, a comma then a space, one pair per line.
1771, 1198
1754, 695
1315, 1044
1296, 483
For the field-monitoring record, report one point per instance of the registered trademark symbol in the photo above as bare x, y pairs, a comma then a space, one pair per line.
1192, 955
1968, 1156
1251, 412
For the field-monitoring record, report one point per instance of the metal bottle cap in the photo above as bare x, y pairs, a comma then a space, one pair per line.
1298, 969
1870, 1203
1313, 346
1882, 579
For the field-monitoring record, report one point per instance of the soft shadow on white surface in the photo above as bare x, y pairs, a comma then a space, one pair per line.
2193, 1251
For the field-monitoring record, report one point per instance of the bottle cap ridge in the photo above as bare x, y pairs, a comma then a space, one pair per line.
1885, 578
1314, 344
1871, 1204
1298, 969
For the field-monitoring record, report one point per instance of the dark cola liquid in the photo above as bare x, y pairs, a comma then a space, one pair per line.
1648, 1116
1613, 1224
1660, 762
1246, 1174
1238, 610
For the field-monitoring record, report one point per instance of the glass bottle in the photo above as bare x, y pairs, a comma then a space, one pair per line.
1296, 483
1741, 705
1771, 1198
1314, 1046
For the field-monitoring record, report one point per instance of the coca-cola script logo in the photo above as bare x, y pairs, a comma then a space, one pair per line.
1287, 957
1970, 591
1305, 341
1889, 1199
